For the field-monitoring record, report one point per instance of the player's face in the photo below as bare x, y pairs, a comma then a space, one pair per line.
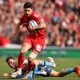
28, 11
11, 62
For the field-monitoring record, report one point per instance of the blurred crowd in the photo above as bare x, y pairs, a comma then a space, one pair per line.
61, 16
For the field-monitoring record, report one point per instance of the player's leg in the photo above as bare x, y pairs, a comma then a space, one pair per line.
62, 73
37, 46
70, 70
24, 49
27, 45
58, 74
31, 58
49, 72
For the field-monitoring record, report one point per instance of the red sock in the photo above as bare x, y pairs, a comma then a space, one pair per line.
30, 65
21, 60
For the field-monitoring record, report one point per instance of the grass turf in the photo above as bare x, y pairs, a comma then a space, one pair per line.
62, 63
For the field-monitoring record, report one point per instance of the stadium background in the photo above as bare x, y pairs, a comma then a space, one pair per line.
63, 32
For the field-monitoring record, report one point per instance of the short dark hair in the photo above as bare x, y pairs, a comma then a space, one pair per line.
8, 58
28, 5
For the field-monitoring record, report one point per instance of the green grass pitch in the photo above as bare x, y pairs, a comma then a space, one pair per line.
62, 63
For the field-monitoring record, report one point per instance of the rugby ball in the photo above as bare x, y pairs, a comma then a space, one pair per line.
32, 23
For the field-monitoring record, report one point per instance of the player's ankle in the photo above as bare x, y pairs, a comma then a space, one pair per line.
19, 70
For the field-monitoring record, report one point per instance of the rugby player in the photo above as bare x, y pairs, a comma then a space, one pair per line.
36, 38
14, 64
43, 69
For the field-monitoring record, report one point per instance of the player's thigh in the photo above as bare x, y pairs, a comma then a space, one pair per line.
25, 47
54, 73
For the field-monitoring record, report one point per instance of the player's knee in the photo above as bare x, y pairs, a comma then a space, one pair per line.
33, 55
23, 51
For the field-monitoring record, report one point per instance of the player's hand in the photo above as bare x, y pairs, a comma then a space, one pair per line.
5, 75
33, 28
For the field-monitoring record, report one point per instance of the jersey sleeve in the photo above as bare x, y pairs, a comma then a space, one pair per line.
37, 16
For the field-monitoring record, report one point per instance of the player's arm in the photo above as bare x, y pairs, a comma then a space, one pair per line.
41, 24
5, 75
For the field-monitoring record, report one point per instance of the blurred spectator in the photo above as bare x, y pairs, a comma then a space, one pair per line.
4, 41
61, 16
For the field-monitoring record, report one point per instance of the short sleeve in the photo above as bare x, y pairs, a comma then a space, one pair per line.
37, 16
